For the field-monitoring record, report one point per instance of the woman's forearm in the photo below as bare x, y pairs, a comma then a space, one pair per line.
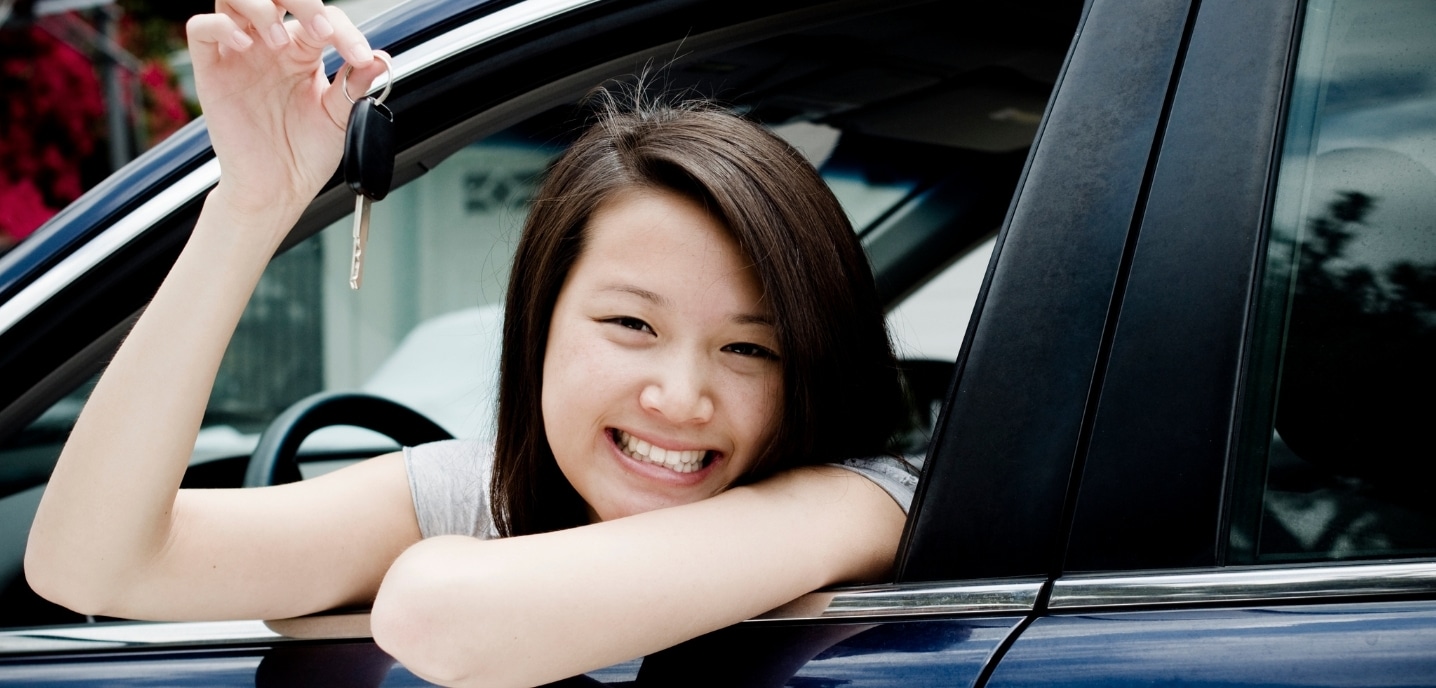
107, 512
533, 609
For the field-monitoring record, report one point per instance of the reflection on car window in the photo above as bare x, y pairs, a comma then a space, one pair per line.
1339, 461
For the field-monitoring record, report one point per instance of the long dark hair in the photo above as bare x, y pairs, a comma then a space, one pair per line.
841, 391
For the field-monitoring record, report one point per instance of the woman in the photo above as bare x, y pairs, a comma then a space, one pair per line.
690, 317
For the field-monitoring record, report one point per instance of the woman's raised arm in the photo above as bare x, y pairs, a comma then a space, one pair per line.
113, 535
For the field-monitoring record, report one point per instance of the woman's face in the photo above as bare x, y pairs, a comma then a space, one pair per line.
662, 381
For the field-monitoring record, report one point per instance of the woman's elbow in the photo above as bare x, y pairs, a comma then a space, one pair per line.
64, 581
424, 614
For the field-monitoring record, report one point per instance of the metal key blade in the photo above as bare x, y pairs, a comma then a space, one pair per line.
361, 237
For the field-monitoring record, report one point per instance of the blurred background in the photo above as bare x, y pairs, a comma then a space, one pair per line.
85, 86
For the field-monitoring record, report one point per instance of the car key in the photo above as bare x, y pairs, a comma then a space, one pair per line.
368, 164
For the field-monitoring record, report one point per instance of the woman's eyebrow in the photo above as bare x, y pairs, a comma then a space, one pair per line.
650, 296
661, 300
752, 319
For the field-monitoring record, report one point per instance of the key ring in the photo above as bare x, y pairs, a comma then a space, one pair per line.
388, 85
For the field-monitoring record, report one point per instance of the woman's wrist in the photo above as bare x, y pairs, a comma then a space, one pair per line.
259, 222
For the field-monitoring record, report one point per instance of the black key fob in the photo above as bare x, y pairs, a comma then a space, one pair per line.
369, 149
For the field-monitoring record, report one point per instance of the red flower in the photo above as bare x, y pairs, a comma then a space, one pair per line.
52, 115
22, 209
53, 109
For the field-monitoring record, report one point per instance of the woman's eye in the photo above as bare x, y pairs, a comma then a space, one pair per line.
751, 350
630, 323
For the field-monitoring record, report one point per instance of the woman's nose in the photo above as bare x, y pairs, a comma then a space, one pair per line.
679, 393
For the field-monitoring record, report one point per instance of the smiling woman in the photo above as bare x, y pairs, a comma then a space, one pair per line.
659, 324
690, 202
691, 327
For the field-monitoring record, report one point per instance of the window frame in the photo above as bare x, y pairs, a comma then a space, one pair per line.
1158, 472
120, 241
1054, 265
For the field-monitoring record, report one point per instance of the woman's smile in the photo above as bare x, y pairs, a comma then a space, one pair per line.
662, 379
677, 460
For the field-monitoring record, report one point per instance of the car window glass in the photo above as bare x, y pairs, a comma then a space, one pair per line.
932, 321
1337, 454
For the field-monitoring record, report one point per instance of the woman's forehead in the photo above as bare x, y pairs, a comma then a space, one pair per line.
661, 246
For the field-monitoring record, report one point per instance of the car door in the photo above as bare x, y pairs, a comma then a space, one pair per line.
1253, 504
922, 122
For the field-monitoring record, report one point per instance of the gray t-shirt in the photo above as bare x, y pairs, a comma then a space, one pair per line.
449, 481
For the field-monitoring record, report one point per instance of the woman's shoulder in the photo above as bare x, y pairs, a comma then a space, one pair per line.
452, 449
449, 482
895, 475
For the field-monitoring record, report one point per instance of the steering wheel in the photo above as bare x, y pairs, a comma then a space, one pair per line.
275, 461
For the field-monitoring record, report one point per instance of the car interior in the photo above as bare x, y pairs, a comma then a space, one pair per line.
920, 123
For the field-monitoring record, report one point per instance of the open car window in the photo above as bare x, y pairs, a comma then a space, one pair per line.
425, 328
920, 133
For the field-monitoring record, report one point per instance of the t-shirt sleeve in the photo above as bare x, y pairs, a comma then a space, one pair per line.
898, 477
449, 482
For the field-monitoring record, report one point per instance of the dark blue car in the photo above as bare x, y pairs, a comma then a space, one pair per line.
1162, 274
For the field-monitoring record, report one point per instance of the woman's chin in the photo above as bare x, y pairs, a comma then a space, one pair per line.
634, 504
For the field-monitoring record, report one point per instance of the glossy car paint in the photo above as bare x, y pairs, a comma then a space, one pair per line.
917, 653
1379, 644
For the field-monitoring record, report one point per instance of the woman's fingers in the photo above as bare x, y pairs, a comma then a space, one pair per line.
260, 18
207, 33
357, 85
313, 16
318, 25
347, 39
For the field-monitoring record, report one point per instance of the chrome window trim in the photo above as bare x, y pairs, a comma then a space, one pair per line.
192, 185
988, 597
1010, 597
912, 599
482, 30
86, 257
1242, 585
134, 634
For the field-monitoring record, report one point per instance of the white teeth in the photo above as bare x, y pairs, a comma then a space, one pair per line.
679, 461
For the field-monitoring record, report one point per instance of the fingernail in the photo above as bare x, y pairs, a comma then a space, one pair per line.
242, 39
320, 27
361, 53
278, 35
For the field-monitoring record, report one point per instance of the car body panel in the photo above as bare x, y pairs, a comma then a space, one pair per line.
937, 653
1386, 643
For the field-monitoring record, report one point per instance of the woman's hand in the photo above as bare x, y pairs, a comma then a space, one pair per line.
276, 123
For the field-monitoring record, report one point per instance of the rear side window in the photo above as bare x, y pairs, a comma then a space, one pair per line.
1338, 456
